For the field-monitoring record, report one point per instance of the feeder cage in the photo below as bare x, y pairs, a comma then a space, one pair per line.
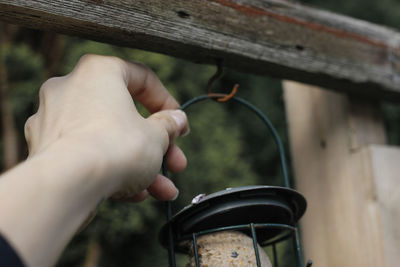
230, 227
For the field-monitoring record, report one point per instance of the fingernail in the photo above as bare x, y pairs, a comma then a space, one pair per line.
186, 132
176, 196
180, 117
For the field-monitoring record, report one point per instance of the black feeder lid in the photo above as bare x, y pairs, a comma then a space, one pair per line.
237, 206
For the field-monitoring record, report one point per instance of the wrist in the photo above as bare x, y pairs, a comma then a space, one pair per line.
62, 184
85, 167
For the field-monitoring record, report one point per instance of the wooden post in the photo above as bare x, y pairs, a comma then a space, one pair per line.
350, 186
385, 170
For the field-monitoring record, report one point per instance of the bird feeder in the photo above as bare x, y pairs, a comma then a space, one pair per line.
230, 227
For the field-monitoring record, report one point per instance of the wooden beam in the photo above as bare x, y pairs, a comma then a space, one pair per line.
350, 182
267, 37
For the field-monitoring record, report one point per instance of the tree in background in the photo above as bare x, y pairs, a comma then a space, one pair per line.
226, 147
27, 57
9, 133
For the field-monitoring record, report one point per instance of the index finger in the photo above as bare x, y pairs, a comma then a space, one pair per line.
145, 87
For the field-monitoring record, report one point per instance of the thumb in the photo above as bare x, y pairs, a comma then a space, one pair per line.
173, 121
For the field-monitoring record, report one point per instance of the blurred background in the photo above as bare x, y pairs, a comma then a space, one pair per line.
227, 146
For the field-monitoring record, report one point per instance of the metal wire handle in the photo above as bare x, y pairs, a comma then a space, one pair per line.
262, 117
271, 128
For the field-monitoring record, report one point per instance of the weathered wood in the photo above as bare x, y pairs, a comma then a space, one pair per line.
386, 170
351, 189
268, 37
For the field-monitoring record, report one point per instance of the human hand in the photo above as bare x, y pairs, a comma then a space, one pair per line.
90, 112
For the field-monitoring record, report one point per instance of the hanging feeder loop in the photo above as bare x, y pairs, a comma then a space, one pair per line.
220, 97
217, 75
174, 231
225, 97
263, 118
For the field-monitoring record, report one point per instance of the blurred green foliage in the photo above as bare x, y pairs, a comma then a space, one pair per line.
227, 146
385, 12
223, 150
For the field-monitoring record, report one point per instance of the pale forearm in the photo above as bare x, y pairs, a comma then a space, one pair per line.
87, 142
46, 199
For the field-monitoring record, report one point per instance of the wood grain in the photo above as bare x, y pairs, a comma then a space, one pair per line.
267, 37
386, 170
349, 179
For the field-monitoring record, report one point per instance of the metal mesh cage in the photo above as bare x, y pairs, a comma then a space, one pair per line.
266, 214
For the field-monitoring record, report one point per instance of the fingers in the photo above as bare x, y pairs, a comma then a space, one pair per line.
163, 189
146, 88
176, 160
142, 83
172, 122
138, 197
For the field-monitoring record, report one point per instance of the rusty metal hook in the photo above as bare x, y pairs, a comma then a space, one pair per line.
218, 74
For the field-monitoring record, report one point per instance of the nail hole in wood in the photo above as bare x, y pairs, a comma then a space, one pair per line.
322, 143
300, 47
99, 2
183, 14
